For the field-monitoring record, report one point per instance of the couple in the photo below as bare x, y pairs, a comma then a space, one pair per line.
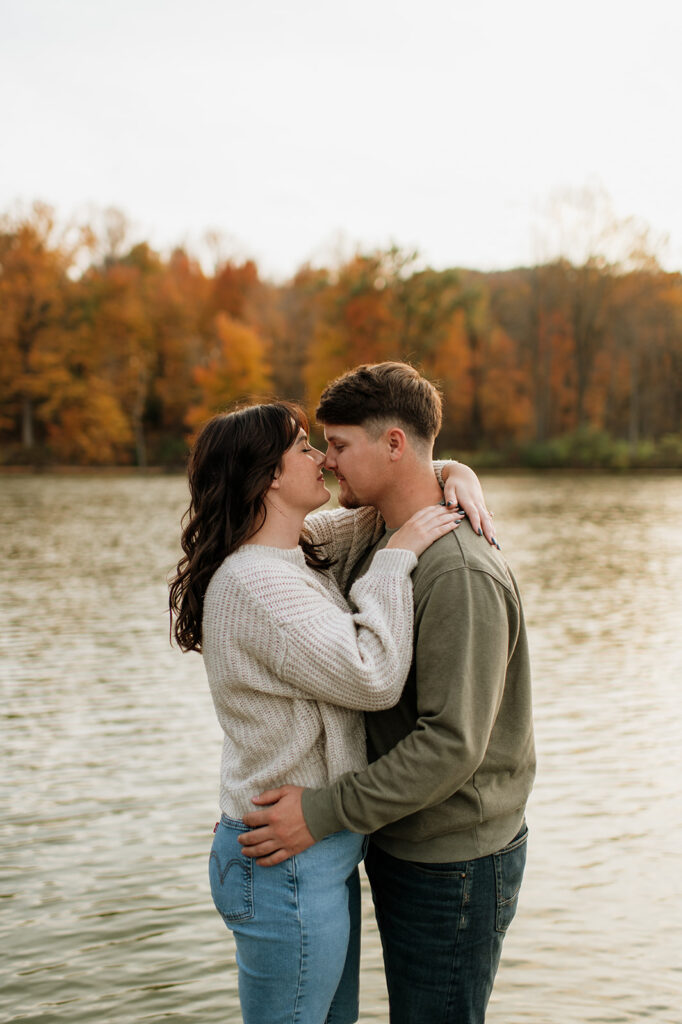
304, 621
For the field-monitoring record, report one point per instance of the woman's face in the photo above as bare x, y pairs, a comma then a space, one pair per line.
301, 481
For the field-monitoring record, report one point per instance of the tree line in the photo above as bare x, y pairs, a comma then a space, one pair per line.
113, 354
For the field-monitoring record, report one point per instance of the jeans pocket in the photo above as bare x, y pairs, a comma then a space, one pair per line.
509, 866
231, 876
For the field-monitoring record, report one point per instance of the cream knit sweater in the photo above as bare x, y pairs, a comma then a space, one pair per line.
291, 667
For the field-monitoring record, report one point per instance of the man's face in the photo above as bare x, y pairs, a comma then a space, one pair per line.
359, 462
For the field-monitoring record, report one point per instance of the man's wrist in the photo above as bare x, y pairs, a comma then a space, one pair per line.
319, 814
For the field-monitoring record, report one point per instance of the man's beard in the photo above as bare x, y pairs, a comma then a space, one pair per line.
347, 499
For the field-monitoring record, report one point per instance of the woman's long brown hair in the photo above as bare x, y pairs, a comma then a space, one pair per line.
231, 467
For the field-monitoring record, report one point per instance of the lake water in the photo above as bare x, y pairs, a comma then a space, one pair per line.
111, 754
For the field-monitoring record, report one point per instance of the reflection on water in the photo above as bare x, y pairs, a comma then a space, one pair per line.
111, 756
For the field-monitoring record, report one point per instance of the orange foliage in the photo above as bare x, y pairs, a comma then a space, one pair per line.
179, 302
505, 406
356, 325
230, 289
112, 363
450, 367
89, 426
236, 369
33, 285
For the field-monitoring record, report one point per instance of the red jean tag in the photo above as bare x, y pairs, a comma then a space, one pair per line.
215, 827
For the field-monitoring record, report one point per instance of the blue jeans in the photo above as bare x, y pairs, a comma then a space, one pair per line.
296, 928
442, 927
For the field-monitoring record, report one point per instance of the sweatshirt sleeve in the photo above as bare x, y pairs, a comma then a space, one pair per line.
314, 649
466, 629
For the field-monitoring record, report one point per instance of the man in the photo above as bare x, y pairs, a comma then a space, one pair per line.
452, 765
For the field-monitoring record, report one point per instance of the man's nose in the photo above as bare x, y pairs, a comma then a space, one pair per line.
329, 460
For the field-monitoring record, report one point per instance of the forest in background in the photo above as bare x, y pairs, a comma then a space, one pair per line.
113, 354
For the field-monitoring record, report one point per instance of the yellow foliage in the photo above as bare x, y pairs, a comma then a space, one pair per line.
237, 369
89, 427
450, 367
506, 408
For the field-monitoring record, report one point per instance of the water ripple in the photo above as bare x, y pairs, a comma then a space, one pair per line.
111, 759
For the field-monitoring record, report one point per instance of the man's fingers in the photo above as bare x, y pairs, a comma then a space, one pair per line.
256, 819
270, 796
275, 858
263, 849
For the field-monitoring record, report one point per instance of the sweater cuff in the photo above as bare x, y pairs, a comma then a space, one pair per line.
318, 811
394, 560
438, 466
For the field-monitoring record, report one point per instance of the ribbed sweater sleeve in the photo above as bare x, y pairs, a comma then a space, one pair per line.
346, 534
309, 647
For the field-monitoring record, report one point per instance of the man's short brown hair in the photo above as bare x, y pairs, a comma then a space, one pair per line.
383, 391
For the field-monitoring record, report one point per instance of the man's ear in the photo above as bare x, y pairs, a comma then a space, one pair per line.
397, 442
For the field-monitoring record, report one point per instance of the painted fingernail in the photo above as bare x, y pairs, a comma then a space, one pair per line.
496, 544
480, 532
442, 502
449, 503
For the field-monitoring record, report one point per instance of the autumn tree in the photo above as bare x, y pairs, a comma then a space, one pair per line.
229, 290
294, 313
110, 350
530, 305
356, 324
178, 305
33, 286
236, 369
117, 318
499, 409
646, 349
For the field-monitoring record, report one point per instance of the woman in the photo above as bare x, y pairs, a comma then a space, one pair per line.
290, 670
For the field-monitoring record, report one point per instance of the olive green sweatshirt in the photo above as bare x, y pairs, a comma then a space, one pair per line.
452, 764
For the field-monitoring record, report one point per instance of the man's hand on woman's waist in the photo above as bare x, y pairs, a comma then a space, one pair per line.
279, 830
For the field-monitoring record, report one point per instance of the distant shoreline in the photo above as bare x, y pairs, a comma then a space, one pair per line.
56, 470
155, 471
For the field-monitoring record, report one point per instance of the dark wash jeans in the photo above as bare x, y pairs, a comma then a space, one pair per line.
442, 928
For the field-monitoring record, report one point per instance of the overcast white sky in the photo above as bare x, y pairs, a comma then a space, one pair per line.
292, 124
